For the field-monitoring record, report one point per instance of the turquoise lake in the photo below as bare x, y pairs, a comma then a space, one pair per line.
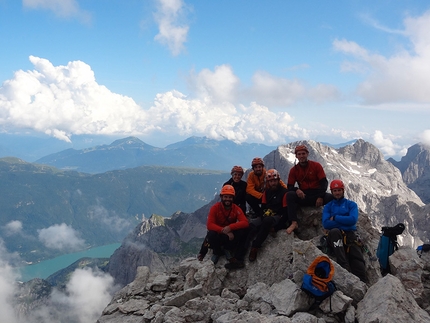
46, 268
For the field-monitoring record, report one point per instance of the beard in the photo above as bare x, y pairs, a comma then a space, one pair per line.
227, 203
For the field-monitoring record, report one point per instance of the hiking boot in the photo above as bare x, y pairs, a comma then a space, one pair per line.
215, 258
200, 257
234, 264
228, 254
253, 254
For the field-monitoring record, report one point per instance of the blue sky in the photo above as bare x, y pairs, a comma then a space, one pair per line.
250, 71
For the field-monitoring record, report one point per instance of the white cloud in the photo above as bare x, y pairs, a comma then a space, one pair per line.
7, 287
221, 84
425, 137
111, 220
281, 92
384, 144
61, 8
13, 227
61, 237
87, 293
65, 100
172, 32
402, 77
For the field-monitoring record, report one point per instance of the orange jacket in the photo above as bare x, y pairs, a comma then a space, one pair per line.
219, 218
256, 185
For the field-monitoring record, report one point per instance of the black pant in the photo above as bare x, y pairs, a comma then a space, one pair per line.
293, 202
348, 255
217, 241
255, 204
260, 228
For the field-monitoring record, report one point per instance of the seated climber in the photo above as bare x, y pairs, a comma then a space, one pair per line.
339, 219
239, 186
312, 186
274, 205
239, 199
256, 185
227, 226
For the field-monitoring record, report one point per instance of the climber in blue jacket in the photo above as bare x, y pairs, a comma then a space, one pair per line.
339, 219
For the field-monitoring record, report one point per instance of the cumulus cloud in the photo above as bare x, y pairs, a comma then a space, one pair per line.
281, 92
61, 8
62, 101
221, 84
13, 227
402, 77
7, 287
111, 220
87, 293
425, 137
65, 100
61, 237
172, 31
386, 145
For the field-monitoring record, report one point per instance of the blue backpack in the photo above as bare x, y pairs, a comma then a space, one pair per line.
387, 245
317, 282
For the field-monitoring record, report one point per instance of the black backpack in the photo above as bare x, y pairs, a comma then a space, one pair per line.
387, 245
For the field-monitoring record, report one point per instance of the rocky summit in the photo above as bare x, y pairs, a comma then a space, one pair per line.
269, 289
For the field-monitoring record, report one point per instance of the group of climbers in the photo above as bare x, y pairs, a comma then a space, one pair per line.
273, 206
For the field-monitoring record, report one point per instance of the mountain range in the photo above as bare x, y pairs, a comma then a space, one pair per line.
47, 212
194, 152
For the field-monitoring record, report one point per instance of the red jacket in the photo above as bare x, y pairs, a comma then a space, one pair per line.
219, 218
308, 177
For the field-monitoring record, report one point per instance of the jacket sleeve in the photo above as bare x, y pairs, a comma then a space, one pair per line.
326, 222
242, 221
291, 180
350, 219
250, 187
340, 220
323, 187
211, 222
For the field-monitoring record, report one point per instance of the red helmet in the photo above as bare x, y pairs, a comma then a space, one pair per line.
237, 169
257, 161
337, 183
272, 174
227, 190
300, 148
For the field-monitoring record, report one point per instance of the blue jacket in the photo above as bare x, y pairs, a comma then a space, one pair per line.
345, 213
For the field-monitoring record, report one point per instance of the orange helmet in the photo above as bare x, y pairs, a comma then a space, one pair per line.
337, 183
301, 147
257, 161
272, 174
237, 169
227, 190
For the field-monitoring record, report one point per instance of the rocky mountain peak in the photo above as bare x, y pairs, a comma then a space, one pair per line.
268, 290
415, 169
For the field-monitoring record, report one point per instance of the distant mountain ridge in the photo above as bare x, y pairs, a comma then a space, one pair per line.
101, 208
415, 169
194, 152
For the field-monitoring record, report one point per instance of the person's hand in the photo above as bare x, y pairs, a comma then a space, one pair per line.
230, 236
300, 194
226, 229
320, 202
